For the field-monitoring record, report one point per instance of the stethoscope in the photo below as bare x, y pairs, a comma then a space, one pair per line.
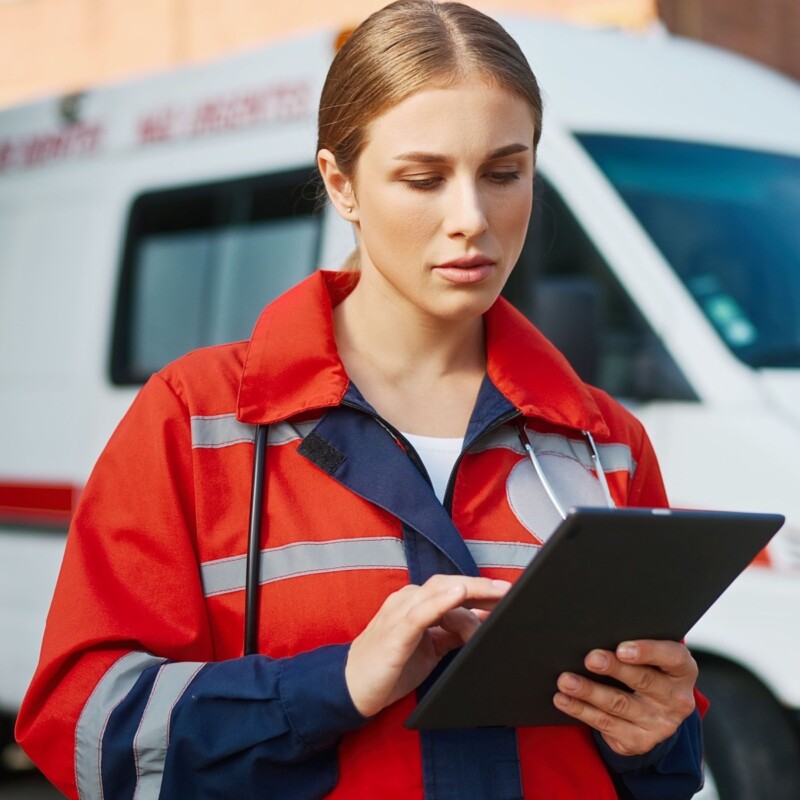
253, 567
254, 541
596, 463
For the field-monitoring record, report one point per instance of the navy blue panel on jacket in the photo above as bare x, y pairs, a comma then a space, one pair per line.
457, 765
118, 755
243, 727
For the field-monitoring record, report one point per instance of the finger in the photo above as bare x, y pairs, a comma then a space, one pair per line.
482, 605
477, 589
645, 680
672, 658
623, 735
609, 725
410, 611
442, 593
608, 699
461, 621
428, 606
443, 641
674, 695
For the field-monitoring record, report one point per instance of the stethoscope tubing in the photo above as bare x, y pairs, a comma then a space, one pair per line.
253, 578
257, 495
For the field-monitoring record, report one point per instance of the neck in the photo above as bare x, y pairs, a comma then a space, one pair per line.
420, 372
401, 340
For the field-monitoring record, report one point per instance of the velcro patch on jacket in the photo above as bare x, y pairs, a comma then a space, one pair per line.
321, 452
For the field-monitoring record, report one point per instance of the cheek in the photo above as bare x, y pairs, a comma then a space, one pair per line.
397, 219
512, 218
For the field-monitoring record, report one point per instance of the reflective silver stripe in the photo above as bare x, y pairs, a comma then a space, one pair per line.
599, 469
220, 431
152, 737
107, 695
614, 457
224, 430
305, 558
516, 555
284, 432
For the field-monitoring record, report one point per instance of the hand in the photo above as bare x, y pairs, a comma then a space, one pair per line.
661, 674
412, 631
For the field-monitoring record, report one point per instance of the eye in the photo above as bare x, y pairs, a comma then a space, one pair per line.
504, 177
423, 184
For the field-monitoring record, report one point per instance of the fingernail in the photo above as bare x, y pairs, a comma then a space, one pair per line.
498, 584
570, 682
628, 650
597, 660
562, 700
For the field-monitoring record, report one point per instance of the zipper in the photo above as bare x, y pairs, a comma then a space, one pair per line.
499, 422
396, 435
414, 456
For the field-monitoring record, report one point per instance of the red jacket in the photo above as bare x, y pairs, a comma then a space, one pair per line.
142, 690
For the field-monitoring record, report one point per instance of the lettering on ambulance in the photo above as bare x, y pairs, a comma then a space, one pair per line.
74, 141
567, 464
157, 126
271, 104
6, 155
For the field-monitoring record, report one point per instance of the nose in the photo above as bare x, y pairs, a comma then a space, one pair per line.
465, 215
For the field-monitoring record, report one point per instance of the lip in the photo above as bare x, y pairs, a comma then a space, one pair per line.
469, 269
467, 262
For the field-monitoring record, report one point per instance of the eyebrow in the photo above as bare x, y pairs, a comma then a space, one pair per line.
435, 158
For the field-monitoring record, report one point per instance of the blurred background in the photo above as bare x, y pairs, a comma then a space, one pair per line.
55, 46
718, 200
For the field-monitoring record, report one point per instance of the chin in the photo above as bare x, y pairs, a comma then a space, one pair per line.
468, 306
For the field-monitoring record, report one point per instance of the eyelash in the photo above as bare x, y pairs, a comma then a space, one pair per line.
428, 184
504, 177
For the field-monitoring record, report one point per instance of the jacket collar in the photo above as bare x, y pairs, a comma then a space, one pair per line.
534, 376
293, 367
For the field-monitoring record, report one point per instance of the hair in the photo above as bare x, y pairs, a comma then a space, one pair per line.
408, 46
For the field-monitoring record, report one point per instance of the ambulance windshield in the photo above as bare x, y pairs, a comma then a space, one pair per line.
727, 221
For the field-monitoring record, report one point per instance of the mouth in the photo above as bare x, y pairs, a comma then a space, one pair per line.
469, 269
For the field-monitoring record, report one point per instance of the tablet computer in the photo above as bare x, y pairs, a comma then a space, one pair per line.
605, 576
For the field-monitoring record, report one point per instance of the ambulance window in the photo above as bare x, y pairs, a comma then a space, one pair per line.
201, 262
566, 288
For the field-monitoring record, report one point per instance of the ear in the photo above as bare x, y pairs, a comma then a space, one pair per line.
338, 186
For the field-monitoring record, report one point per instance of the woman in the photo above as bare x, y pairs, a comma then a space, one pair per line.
396, 397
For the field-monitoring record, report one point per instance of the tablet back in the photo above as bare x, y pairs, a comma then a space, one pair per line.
605, 576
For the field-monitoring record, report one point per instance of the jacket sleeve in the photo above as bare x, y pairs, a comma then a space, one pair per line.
128, 700
672, 770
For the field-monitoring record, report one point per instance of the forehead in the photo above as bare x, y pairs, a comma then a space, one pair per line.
471, 115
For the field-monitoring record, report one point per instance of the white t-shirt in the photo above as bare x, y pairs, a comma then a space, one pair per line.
439, 457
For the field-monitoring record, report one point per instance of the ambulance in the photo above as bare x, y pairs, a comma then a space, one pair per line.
142, 220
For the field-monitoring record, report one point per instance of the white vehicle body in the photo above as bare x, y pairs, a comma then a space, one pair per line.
66, 194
